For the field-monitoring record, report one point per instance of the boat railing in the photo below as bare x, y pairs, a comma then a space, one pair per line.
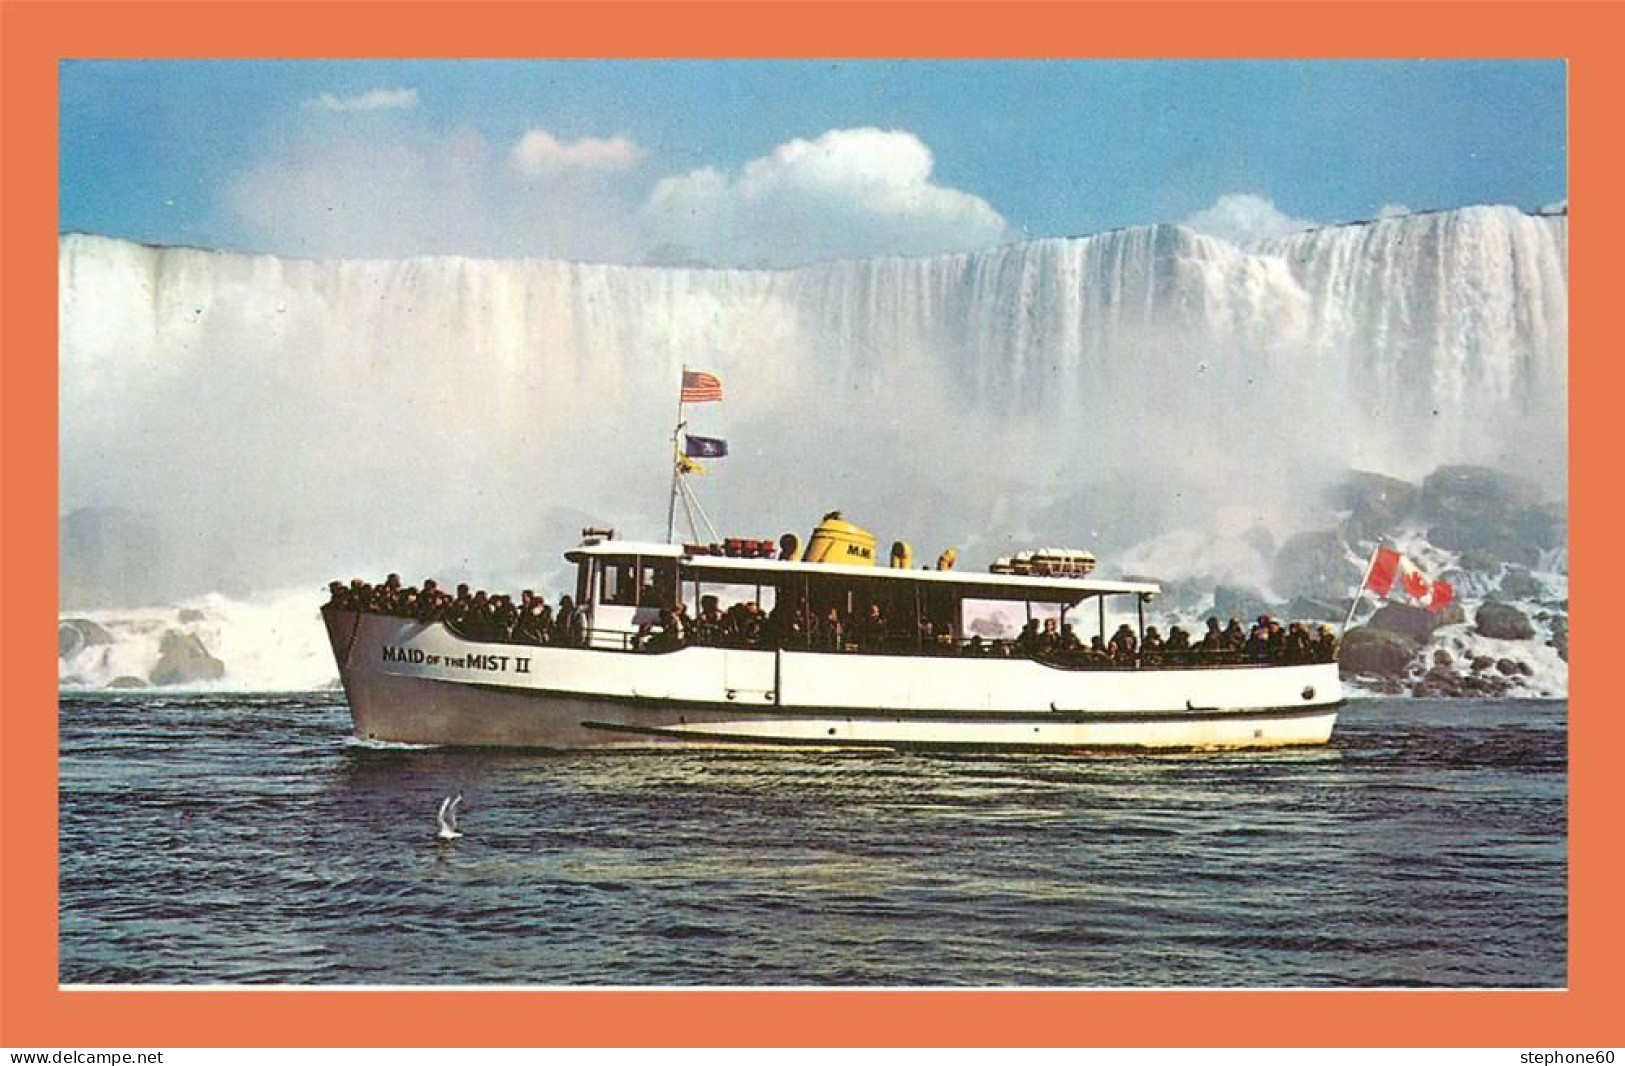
935, 646
944, 646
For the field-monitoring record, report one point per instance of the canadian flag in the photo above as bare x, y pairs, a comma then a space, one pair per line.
1390, 568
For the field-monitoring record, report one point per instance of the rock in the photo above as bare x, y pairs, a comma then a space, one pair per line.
1260, 540
1243, 604
1441, 657
191, 614
91, 631
183, 660
1305, 609
1483, 546
1437, 682
1418, 623
1483, 662
1454, 614
1545, 525
126, 681
1560, 634
1480, 560
1473, 492
1183, 592
1502, 622
1376, 504
1508, 667
1488, 516
72, 634
1518, 583
1441, 681
1314, 564
1377, 652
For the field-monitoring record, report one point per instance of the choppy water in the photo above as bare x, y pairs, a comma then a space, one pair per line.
246, 839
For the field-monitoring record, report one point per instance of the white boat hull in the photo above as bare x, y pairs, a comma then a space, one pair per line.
414, 683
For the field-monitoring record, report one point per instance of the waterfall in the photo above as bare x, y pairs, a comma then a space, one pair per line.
235, 422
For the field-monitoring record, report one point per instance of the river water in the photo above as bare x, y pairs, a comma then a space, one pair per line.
243, 839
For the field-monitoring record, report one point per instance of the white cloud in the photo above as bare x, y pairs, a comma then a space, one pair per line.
1394, 211
848, 193
381, 192
1243, 218
373, 100
540, 154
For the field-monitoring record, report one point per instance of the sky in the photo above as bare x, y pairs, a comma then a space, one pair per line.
776, 163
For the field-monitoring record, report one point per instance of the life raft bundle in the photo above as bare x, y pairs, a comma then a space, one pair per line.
1046, 562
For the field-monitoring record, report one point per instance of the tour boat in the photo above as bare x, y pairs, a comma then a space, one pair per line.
934, 673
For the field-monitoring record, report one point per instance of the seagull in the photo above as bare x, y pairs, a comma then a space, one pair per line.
448, 818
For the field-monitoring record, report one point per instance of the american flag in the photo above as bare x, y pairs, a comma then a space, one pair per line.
700, 387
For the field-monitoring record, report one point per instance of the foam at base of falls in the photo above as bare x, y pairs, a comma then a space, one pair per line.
269, 643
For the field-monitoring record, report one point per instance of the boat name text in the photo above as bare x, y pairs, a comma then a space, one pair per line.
517, 664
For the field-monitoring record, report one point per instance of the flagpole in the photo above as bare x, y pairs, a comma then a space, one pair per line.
1369, 566
676, 467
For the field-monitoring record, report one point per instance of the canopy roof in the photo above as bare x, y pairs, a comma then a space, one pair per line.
738, 571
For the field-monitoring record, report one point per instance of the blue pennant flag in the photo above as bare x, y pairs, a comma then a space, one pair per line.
704, 447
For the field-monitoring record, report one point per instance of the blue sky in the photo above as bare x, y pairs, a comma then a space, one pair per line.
777, 162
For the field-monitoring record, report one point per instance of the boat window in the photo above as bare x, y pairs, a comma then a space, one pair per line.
657, 582
939, 613
617, 582
583, 581
724, 596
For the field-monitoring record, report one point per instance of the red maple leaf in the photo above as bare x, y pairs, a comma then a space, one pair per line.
1417, 586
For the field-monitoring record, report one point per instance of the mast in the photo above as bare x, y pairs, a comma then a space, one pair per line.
706, 388
676, 466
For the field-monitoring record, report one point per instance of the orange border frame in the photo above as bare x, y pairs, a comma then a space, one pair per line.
36, 35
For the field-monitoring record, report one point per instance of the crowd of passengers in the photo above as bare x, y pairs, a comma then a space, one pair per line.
477, 615
746, 625
1267, 641
497, 618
